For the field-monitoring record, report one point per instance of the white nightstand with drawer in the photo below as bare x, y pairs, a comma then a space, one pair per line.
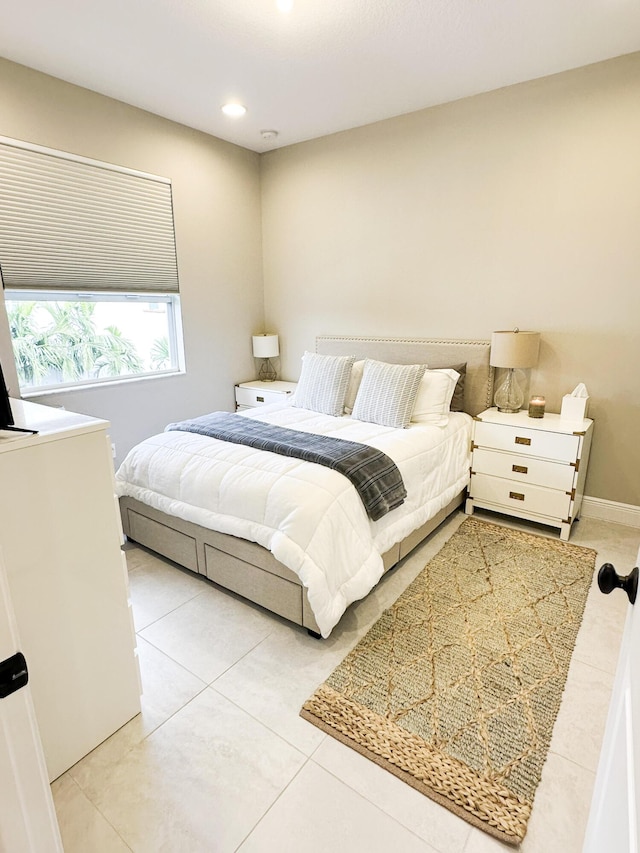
533, 468
258, 393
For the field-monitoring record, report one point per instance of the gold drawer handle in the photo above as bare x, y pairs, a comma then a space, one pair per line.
260, 399
517, 496
520, 440
520, 469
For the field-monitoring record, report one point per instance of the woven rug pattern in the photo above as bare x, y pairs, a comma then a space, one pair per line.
457, 686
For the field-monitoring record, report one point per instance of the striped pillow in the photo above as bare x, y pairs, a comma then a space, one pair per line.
323, 383
387, 393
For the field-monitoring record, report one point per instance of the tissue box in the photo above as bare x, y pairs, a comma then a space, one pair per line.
574, 408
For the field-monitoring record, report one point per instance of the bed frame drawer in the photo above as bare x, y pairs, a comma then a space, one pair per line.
276, 594
167, 541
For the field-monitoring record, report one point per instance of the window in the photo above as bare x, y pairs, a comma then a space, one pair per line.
62, 339
88, 260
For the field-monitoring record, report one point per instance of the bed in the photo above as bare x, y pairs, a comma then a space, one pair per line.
304, 565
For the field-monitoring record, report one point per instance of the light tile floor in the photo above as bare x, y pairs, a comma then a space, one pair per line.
219, 759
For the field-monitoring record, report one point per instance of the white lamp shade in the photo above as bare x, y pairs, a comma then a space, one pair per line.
514, 349
265, 346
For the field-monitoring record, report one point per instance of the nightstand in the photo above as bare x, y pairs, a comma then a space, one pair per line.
533, 468
258, 393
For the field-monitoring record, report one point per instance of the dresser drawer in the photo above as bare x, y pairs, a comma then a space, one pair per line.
527, 442
252, 397
511, 466
520, 497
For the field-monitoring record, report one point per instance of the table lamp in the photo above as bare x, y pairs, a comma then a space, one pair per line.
266, 347
513, 350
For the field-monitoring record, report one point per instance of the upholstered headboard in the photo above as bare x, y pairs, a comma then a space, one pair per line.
478, 392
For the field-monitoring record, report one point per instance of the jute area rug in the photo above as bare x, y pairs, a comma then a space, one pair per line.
456, 687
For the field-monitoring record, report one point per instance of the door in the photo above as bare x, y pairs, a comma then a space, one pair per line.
27, 818
615, 807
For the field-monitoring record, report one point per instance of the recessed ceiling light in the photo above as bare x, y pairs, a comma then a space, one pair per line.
284, 5
234, 110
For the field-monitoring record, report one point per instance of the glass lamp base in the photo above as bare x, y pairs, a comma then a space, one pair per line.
509, 396
267, 372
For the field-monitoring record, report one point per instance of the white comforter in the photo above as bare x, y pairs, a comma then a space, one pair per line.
310, 517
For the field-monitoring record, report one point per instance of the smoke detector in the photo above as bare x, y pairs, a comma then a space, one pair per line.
268, 134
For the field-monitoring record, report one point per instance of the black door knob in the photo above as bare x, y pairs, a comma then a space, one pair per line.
609, 579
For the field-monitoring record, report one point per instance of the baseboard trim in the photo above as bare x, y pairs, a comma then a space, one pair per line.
611, 511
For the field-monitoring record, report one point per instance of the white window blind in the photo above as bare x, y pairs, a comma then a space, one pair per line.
69, 223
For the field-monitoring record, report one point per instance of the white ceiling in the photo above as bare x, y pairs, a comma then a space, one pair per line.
326, 66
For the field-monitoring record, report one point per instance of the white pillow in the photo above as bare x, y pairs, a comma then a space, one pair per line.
323, 382
434, 397
387, 393
354, 383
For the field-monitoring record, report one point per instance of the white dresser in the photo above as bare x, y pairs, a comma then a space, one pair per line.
533, 468
258, 393
61, 538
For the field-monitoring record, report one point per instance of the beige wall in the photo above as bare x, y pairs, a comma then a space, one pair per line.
520, 207
216, 195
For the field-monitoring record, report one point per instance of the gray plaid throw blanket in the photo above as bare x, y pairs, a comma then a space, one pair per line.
374, 475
